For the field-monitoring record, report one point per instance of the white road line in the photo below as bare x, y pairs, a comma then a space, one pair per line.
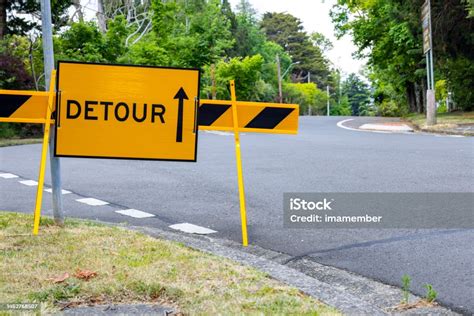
30, 183
455, 136
220, 133
135, 213
192, 229
8, 175
340, 124
62, 191
92, 201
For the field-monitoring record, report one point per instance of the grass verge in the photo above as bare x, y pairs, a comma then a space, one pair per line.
446, 122
131, 268
4, 142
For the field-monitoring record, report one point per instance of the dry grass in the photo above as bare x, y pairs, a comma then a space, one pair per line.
447, 119
131, 268
19, 141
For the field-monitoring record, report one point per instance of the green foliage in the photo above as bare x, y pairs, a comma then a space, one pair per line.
358, 94
460, 80
431, 294
389, 34
343, 108
389, 108
406, 281
13, 68
146, 52
287, 31
247, 75
83, 42
307, 95
192, 33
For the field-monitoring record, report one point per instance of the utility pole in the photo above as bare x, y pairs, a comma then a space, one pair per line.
213, 81
327, 90
309, 81
55, 164
428, 51
280, 92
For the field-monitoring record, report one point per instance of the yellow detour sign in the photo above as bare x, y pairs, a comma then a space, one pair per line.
133, 112
256, 117
23, 106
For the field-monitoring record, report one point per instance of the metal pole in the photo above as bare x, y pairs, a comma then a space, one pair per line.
280, 92
327, 90
55, 163
430, 93
431, 51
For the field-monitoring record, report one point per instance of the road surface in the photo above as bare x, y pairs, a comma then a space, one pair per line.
323, 157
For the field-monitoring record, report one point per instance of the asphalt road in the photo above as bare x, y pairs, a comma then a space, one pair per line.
321, 158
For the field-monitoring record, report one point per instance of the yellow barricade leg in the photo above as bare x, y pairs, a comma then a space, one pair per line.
240, 176
47, 125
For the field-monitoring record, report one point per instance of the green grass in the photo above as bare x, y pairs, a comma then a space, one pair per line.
132, 268
19, 141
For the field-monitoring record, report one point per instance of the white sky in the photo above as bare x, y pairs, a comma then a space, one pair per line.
315, 17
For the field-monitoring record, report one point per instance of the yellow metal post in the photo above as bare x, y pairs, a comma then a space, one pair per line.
240, 176
44, 151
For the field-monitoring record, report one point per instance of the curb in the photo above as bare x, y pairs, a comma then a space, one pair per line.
350, 293
417, 128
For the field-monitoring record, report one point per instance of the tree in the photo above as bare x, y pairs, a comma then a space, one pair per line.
3, 18
287, 31
358, 94
247, 73
194, 33
389, 34
321, 41
25, 15
307, 95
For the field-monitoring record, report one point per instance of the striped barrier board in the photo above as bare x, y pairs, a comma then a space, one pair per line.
23, 106
256, 117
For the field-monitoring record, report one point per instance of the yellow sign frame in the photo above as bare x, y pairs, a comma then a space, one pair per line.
278, 125
38, 102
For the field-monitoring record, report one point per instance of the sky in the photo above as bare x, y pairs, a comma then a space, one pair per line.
315, 17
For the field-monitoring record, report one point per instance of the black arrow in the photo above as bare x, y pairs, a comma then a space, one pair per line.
181, 96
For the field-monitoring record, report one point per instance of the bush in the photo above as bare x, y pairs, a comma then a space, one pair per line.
389, 108
460, 80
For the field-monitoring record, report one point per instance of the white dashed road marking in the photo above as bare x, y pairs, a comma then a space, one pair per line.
30, 183
220, 133
8, 175
135, 213
192, 229
92, 201
62, 191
